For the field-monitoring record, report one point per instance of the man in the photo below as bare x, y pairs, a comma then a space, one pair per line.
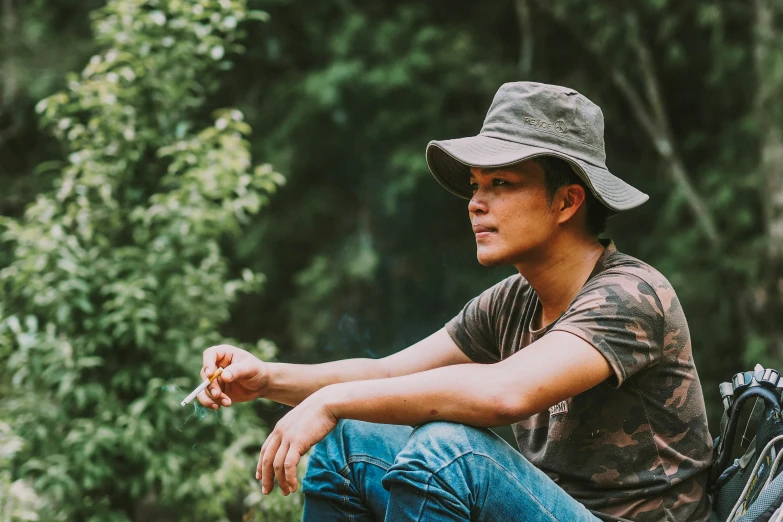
586, 352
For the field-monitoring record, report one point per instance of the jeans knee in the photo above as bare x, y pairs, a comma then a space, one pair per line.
438, 431
433, 445
436, 457
442, 435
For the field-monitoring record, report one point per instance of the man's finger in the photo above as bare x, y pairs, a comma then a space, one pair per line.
266, 442
245, 368
278, 465
265, 464
216, 390
260, 466
212, 391
290, 463
214, 357
209, 361
206, 401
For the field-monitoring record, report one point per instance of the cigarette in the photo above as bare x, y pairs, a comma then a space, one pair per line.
201, 387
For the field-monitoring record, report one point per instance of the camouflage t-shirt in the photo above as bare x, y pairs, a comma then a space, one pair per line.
636, 447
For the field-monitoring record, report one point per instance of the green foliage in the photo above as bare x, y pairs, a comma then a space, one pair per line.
18, 500
118, 281
365, 253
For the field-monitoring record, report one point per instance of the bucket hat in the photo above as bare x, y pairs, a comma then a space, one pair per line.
526, 120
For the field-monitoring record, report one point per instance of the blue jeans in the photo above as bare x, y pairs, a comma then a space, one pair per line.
364, 472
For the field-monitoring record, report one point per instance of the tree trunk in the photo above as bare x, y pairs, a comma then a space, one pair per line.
768, 55
9, 84
525, 37
8, 76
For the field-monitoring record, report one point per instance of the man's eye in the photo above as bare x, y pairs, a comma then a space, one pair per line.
474, 187
497, 182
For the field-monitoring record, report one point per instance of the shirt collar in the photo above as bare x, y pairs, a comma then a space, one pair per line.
609, 249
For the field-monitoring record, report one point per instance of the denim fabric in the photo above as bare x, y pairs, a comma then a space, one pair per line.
364, 472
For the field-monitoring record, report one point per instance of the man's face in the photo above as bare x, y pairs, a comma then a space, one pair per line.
510, 213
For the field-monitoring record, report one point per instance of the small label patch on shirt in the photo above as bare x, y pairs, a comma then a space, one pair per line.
558, 409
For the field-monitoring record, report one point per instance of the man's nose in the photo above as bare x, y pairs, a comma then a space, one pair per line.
478, 203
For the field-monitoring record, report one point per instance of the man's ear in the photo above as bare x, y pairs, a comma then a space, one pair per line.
572, 198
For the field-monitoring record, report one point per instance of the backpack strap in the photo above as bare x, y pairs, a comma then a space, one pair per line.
768, 394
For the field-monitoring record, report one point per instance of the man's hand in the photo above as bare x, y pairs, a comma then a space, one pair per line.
244, 377
294, 434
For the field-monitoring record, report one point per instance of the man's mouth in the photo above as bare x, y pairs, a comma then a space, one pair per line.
482, 231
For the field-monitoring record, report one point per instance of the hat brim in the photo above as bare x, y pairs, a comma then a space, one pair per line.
450, 162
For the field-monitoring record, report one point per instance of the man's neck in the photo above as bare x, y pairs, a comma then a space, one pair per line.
559, 275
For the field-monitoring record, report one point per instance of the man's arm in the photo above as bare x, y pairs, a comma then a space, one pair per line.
292, 383
556, 367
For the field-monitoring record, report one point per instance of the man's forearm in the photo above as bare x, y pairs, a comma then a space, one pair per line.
468, 393
292, 383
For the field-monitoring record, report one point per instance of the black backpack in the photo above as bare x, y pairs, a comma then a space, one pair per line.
746, 479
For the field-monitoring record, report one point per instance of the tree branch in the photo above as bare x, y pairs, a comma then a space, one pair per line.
525, 37
663, 135
766, 53
763, 39
7, 65
649, 75
635, 101
650, 113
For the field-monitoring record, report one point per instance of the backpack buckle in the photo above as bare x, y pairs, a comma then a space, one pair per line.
767, 377
742, 381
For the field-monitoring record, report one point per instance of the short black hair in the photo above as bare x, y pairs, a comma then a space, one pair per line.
558, 173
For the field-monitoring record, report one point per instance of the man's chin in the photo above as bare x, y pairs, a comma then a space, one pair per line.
489, 260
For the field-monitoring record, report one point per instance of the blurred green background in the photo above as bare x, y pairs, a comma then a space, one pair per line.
176, 174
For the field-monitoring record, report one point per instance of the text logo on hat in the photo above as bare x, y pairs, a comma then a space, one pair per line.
559, 125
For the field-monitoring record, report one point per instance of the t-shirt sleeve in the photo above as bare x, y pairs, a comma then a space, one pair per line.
622, 317
473, 329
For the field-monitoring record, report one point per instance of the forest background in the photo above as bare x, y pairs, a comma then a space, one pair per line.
177, 174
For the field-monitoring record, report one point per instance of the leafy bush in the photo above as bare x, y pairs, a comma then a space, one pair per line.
118, 282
